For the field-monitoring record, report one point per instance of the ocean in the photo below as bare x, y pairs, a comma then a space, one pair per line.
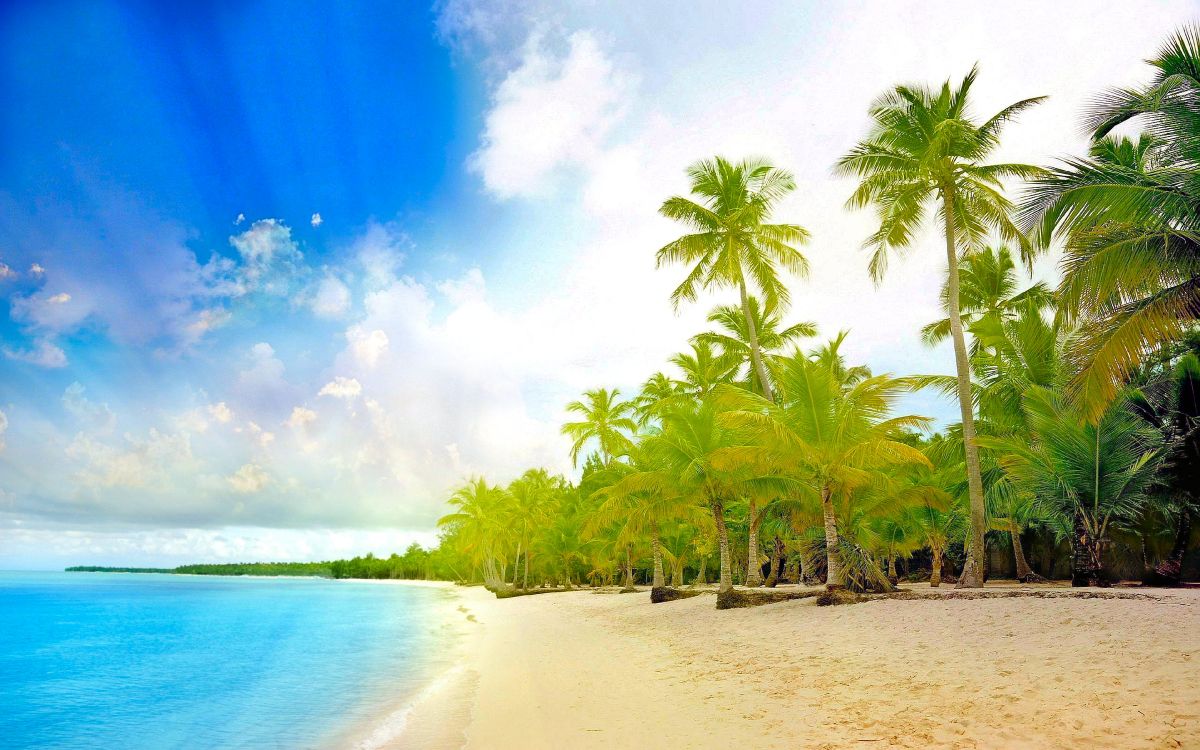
147, 661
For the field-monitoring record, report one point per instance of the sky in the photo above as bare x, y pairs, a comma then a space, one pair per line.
275, 277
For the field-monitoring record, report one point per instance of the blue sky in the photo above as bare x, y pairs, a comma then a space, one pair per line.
195, 367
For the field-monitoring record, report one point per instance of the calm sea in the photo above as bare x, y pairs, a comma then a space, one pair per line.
127, 661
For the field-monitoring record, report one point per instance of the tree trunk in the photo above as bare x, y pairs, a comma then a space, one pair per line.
972, 573
760, 369
833, 562
776, 564
753, 565
516, 566
893, 578
726, 580
1169, 572
1084, 555
935, 578
659, 579
629, 569
526, 585
1025, 573
793, 568
702, 572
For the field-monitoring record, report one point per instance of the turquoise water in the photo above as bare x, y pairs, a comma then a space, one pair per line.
127, 661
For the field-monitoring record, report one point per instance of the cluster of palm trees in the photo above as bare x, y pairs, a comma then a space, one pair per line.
1080, 406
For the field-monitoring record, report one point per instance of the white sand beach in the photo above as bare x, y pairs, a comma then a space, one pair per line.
601, 670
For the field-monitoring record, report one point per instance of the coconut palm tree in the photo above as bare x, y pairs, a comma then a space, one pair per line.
824, 433
732, 243
733, 336
533, 494
477, 519
657, 392
988, 296
606, 419
703, 369
924, 148
1089, 475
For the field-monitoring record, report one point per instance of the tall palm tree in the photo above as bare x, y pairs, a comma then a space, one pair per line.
731, 243
821, 432
532, 494
606, 419
479, 509
924, 147
733, 338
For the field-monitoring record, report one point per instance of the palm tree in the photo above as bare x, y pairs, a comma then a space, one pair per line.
1089, 475
606, 419
925, 148
734, 336
987, 296
731, 243
703, 369
532, 495
822, 432
684, 452
642, 501
657, 392
477, 519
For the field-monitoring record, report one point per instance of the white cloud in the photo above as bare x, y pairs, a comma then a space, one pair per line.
248, 479
331, 299
368, 347
341, 387
6, 272
43, 354
96, 418
271, 259
240, 218
3, 428
36, 270
316, 221
301, 417
220, 412
550, 112
61, 298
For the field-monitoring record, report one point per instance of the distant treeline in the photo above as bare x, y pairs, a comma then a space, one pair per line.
416, 563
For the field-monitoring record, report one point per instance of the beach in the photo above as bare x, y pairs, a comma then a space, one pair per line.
604, 670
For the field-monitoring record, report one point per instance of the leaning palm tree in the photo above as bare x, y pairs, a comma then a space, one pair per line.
606, 419
703, 369
832, 436
477, 519
924, 147
731, 243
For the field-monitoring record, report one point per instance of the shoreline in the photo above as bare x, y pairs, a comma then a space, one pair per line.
594, 669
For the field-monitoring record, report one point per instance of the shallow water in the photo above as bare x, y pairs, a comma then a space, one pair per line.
131, 661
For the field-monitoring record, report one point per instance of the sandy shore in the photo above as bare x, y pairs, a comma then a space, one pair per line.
609, 671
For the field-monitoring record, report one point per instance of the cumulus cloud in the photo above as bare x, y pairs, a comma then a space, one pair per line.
552, 111
61, 298
367, 346
341, 387
250, 478
316, 221
6, 272
220, 412
331, 298
91, 416
301, 416
271, 259
36, 269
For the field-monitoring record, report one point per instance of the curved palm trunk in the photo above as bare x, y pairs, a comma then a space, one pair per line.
656, 547
935, 579
776, 564
972, 574
1170, 571
833, 563
629, 569
1025, 573
726, 581
516, 566
753, 566
526, 584
760, 370
702, 572
893, 577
